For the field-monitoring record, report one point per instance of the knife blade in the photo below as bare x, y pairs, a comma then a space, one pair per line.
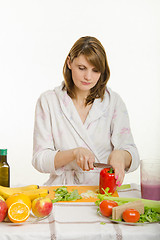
102, 165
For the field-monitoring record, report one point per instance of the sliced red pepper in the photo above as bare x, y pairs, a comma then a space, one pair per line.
107, 179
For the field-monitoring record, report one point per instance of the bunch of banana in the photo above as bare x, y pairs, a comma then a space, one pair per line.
32, 194
32, 191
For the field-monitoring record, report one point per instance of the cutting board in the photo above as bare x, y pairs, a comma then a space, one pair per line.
81, 189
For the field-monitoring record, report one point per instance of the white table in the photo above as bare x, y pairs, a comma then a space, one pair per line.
72, 221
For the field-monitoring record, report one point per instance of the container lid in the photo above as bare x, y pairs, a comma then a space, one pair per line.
3, 152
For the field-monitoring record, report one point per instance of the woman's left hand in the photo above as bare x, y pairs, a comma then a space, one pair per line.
119, 160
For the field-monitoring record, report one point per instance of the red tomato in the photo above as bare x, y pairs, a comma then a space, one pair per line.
106, 207
131, 215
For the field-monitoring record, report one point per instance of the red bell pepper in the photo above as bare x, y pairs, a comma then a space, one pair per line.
107, 179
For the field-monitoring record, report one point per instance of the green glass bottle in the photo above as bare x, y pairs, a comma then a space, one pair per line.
4, 169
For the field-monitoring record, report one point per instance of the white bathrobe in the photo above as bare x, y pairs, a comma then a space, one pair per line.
58, 126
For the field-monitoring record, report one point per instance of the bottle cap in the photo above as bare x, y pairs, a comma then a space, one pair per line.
3, 152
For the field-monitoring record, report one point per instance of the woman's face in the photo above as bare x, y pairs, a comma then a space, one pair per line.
84, 75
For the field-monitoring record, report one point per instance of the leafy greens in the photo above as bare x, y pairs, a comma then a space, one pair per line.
150, 215
62, 194
151, 207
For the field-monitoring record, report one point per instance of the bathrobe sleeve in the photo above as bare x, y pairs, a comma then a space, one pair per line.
121, 136
43, 143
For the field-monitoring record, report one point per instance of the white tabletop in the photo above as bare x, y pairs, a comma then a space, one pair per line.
72, 221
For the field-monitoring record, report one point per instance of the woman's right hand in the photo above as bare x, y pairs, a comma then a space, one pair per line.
84, 158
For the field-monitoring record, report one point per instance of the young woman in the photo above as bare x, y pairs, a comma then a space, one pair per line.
82, 122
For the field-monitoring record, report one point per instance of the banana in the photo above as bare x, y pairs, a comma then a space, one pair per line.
32, 194
5, 192
29, 187
1, 198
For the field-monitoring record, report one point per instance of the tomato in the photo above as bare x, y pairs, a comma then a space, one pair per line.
131, 215
106, 207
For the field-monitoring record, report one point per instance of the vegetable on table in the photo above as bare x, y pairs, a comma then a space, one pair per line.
107, 179
150, 215
106, 207
131, 215
151, 207
62, 194
117, 212
155, 205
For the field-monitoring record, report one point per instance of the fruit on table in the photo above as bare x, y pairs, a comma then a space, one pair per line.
3, 210
106, 207
5, 192
131, 215
41, 207
107, 180
18, 197
32, 194
2, 198
18, 212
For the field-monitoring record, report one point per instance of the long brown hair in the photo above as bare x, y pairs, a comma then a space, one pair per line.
95, 54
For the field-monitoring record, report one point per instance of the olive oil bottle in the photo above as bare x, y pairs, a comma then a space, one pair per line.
4, 169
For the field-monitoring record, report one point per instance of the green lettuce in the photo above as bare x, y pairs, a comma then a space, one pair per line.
62, 194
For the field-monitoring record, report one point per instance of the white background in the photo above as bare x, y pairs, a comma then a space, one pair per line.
35, 38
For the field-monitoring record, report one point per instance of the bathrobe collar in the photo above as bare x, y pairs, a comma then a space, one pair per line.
98, 109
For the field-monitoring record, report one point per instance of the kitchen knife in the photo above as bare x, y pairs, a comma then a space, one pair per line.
102, 165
